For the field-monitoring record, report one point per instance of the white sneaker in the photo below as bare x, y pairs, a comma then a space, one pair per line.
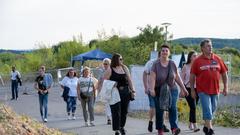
86, 124
92, 124
73, 118
69, 117
45, 120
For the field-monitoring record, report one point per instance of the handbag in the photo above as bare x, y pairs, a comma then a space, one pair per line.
85, 95
165, 97
131, 93
19, 80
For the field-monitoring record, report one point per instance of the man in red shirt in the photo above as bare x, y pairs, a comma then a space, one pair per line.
206, 71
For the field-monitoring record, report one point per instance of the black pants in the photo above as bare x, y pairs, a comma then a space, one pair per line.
119, 110
192, 105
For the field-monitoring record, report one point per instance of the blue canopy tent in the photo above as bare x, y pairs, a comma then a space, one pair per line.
91, 55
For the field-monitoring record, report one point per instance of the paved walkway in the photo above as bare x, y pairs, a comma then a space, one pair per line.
28, 105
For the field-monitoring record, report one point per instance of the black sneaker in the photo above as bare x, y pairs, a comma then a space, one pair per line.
176, 131
150, 126
109, 122
210, 132
205, 130
165, 129
117, 133
122, 131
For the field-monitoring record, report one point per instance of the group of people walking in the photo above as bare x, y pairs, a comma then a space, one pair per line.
198, 80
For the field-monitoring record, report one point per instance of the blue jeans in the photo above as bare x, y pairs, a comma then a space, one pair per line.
14, 89
151, 101
43, 102
71, 104
209, 105
173, 114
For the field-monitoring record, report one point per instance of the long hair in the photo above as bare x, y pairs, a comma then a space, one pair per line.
115, 60
189, 57
75, 74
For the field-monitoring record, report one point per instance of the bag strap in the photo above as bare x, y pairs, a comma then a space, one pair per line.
169, 66
89, 84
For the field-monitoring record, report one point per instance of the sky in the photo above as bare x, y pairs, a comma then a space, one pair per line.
24, 24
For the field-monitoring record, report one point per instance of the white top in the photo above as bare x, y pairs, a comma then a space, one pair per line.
72, 84
185, 75
14, 75
84, 83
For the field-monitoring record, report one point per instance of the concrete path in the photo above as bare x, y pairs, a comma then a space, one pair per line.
28, 105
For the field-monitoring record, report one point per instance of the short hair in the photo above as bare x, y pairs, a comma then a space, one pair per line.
165, 45
43, 67
86, 68
107, 60
115, 60
203, 42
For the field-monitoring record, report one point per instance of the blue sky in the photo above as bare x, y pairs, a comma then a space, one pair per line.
24, 24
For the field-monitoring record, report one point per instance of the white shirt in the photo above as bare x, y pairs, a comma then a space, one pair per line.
72, 84
14, 75
86, 82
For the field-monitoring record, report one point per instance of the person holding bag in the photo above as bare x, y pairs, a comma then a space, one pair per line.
119, 73
86, 94
163, 78
69, 83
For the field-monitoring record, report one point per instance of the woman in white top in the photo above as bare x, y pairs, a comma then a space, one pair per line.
86, 94
185, 74
70, 82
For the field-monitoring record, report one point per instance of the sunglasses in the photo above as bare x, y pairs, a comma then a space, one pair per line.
105, 64
120, 59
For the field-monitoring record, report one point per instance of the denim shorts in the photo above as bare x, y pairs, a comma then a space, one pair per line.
151, 101
209, 105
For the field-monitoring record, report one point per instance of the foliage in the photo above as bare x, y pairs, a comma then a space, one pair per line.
135, 50
228, 116
13, 124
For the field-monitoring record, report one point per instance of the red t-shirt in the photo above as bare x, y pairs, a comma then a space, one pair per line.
208, 72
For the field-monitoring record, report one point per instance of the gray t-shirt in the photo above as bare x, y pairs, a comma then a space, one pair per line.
161, 73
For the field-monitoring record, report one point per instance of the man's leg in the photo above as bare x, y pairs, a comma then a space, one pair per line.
207, 112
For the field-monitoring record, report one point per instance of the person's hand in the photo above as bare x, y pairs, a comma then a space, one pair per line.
146, 91
184, 92
193, 94
225, 91
152, 93
44, 91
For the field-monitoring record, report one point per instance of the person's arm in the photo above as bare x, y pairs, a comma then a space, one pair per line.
125, 68
37, 88
183, 91
152, 83
18, 73
145, 82
192, 83
225, 83
78, 90
183, 73
107, 74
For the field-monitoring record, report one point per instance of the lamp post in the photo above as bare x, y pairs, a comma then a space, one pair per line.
166, 24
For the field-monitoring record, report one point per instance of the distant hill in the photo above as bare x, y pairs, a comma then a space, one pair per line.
217, 42
15, 51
